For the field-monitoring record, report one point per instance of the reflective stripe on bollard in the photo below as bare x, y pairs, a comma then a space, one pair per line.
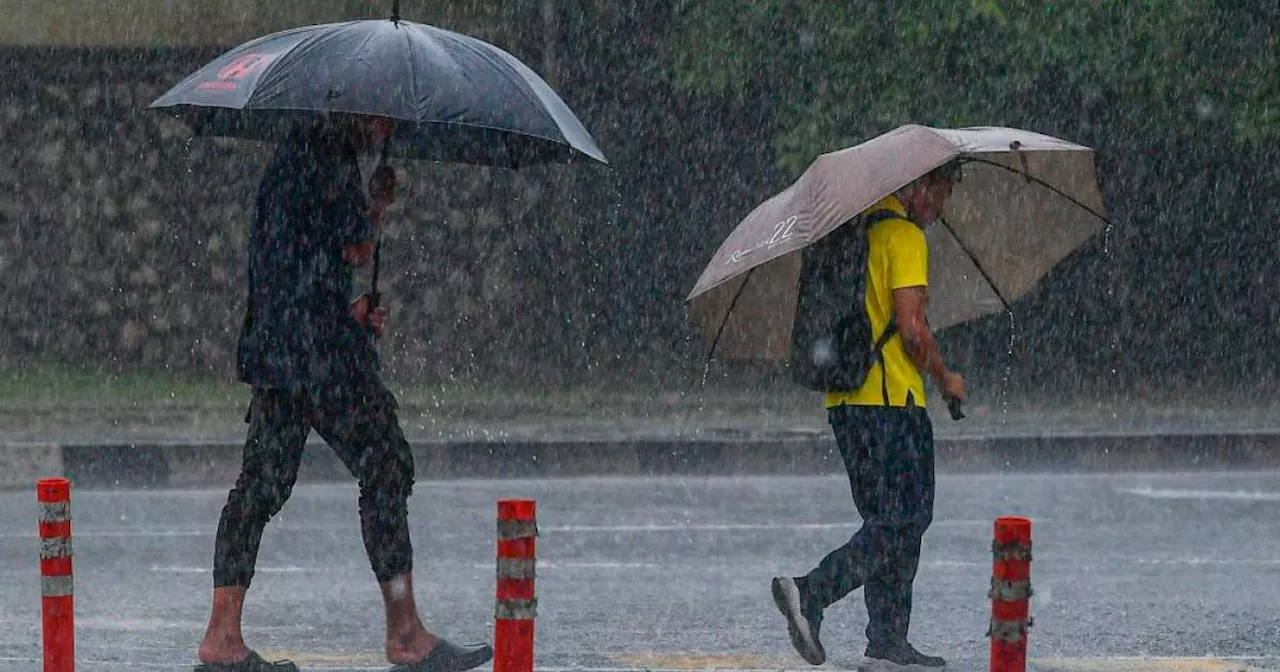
516, 604
56, 584
1010, 594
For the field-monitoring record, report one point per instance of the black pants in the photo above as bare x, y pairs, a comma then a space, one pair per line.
359, 423
889, 455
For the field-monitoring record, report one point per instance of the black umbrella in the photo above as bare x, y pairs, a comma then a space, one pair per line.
454, 98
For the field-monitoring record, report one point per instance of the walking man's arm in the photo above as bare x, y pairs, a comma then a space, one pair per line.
909, 304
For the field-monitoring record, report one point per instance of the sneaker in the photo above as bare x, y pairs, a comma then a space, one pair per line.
803, 620
903, 658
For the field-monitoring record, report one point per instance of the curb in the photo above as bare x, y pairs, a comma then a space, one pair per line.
22, 464
216, 464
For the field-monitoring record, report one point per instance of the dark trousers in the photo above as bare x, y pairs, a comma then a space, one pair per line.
359, 423
889, 454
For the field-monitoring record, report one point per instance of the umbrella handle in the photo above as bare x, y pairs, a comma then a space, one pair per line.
953, 406
374, 295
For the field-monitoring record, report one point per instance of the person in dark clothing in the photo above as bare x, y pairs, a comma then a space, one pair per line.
307, 351
886, 441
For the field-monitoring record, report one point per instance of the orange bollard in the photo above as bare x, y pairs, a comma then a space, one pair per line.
56, 595
1010, 594
517, 603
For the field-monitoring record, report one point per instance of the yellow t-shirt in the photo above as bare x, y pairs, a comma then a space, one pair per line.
897, 257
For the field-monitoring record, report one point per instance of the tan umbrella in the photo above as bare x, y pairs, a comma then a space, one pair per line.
1025, 202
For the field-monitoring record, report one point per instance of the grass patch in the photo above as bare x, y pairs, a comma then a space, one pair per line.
61, 386
49, 386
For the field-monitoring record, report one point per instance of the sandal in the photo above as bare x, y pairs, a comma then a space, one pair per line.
449, 657
252, 663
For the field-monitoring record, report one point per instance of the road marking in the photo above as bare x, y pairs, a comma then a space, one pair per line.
1139, 664
599, 668
99, 664
1262, 562
955, 563
347, 660
209, 531
649, 662
81, 533
678, 662
263, 570
733, 527
656, 527
1234, 495
359, 667
116, 623
550, 564
699, 661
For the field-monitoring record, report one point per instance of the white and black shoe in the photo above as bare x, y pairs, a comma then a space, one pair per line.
900, 658
803, 619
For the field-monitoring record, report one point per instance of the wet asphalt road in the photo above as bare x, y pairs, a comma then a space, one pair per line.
1131, 571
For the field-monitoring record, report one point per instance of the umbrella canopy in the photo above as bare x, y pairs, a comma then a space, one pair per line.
459, 99
1025, 202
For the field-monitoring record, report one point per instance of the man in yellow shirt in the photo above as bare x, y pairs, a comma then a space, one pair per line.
886, 440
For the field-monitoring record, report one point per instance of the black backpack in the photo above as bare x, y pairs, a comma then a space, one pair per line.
832, 347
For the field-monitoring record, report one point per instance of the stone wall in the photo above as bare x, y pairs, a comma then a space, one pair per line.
123, 239
122, 242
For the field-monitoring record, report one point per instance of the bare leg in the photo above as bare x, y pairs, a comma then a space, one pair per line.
223, 642
408, 640
272, 454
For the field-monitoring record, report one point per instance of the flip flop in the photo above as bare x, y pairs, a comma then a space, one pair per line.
449, 657
252, 663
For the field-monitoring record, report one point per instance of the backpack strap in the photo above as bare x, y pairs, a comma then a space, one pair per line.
889, 332
868, 220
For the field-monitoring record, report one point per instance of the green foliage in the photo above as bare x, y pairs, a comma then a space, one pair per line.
841, 72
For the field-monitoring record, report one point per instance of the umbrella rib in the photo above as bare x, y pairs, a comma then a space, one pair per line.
732, 304
460, 39
1042, 183
413, 77
976, 263
360, 53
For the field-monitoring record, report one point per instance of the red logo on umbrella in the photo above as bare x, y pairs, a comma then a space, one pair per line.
241, 67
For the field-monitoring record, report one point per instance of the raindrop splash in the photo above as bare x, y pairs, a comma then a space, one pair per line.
1008, 370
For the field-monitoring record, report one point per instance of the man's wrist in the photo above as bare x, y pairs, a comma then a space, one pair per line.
940, 371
